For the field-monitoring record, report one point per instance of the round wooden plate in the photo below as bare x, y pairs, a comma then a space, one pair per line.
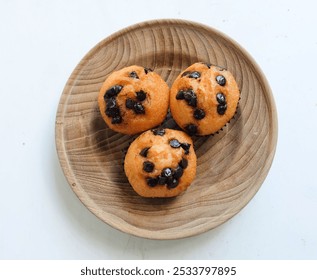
231, 164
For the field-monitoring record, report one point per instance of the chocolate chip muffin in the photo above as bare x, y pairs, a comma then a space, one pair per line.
160, 163
133, 99
204, 98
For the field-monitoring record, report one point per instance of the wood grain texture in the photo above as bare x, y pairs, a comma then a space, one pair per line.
231, 165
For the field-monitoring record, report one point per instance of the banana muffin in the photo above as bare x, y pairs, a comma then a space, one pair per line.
160, 163
133, 99
204, 98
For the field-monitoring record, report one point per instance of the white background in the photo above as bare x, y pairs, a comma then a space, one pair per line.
41, 42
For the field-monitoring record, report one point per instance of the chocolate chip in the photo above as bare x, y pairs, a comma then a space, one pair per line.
144, 152
180, 95
148, 166
167, 172
152, 182
129, 103
221, 80
189, 95
174, 143
140, 95
112, 112
113, 91
116, 120
183, 163
111, 103
186, 147
191, 129
133, 75
194, 75
221, 98
178, 172
173, 183
192, 102
190, 98
158, 131
147, 70
162, 180
138, 108
199, 114
221, 109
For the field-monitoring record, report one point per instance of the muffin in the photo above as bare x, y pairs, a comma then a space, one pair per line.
160, 163
133, 99
204, 98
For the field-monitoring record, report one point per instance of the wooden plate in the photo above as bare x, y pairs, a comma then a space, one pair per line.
231, 165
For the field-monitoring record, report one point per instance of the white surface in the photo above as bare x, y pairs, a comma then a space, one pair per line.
41, 42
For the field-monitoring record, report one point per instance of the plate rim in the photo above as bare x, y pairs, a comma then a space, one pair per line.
61, 151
